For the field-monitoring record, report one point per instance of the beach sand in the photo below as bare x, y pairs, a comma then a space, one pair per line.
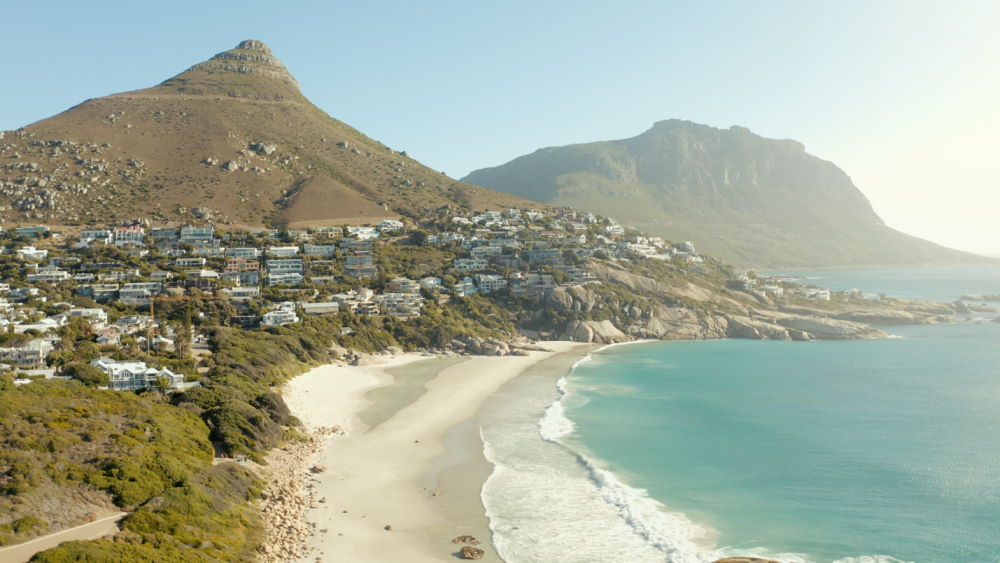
410, 458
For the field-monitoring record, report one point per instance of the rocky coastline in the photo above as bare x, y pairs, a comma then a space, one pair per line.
290, 491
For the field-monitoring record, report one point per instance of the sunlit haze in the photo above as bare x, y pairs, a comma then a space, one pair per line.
901, 95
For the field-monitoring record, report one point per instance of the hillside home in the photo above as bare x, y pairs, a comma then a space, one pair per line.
322, 308
488, 283
30, 356
133, 235
282, 315
403, 285
468, 264
32, 254
243, 252
390, 226
322, 250
197, 235
242, 293
283, 251
136, 376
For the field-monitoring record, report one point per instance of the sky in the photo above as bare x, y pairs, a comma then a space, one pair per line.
903, 95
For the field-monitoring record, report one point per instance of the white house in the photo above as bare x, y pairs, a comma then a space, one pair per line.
284, 314
135, 376
32, 254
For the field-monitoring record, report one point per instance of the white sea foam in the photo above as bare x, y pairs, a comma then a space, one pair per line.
554, 424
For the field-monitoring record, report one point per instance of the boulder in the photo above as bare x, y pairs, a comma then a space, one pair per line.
469, 552
601, 332
466, 539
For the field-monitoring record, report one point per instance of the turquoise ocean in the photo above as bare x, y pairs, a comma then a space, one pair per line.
851, 451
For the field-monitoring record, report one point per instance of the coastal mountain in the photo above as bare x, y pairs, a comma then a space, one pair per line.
738, 196
230, 140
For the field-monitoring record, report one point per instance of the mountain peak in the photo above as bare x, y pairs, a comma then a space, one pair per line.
249, 57
248, 70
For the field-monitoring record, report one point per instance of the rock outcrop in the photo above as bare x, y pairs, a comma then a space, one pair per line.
600, 332
469, 552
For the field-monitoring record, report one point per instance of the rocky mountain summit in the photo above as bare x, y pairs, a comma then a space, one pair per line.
741, 197
231, 140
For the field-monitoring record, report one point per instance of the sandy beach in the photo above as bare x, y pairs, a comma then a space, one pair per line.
404, 476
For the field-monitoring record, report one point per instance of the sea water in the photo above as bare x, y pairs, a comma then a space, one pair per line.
876, 450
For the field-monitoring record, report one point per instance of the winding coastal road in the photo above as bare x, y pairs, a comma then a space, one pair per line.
92, 530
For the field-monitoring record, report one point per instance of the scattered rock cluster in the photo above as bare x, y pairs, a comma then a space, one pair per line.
490, 347
468, 551
288, 494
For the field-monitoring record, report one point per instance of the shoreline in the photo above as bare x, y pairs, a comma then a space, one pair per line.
402, 488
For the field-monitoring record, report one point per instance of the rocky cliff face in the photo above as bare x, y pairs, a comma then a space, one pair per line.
739, 196
622, 305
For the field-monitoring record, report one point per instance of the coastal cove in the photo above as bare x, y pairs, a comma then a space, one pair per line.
417, 470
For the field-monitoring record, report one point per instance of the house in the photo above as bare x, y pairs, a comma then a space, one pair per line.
133, 235
49, 275
357, 246
390, 226
282, 315
323, 308
131, 324
32, 254
190, 262
38, 231
466, 264
488, 283
243, 252
248, 278
402, 306
97, 316
403, 285
30, 356
139, 293
197, 235
242, 293
136, 376
166, 235
101, 292
284, 278
322, 250
430, 283
360, 266
465, 288
104, 236
283, 251
241, 264
363, 233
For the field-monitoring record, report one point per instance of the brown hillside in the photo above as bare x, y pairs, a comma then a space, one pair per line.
228, 140
321, 201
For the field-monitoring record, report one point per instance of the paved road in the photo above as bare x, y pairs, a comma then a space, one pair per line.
23, 551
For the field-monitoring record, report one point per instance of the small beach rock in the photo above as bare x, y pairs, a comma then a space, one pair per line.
387, 528
469, 552
317, 468
466, 539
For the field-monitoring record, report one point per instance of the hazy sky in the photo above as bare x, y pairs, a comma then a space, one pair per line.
903, 95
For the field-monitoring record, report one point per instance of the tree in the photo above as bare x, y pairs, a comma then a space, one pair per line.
87, 374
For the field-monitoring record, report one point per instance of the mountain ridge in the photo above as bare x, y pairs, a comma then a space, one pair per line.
228, 140
740, 196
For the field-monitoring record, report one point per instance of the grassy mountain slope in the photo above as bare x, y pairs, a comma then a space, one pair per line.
738, 196
229, 139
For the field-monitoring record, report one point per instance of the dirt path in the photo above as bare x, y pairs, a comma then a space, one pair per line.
23, 551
